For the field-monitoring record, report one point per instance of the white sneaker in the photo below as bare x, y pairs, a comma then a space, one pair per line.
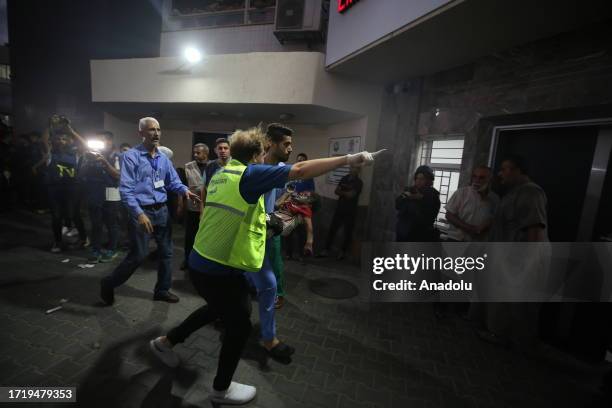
236, 394
164, 353
72, 233
64, 230
56, 248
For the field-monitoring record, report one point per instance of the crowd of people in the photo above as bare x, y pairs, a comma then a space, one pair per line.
232, 208
238, 210
476, 213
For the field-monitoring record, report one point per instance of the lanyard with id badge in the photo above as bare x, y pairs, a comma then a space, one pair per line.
112, 193
157, 181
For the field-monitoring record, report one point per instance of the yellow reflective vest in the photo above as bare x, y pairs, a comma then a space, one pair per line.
232, 232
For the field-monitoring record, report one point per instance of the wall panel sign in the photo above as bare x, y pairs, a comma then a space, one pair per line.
344, 5
340, 146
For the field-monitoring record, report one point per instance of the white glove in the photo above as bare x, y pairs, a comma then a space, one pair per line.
362, 158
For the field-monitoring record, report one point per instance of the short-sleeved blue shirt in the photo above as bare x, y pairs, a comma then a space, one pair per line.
256, 180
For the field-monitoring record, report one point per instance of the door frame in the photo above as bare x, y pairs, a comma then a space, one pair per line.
599, 165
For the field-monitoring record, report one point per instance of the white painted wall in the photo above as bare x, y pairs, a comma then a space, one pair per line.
282, 78
369, 20
178, 136
124, 132
266, 78
312, 140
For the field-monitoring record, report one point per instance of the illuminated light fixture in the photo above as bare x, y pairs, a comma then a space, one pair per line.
95, 144
193, 55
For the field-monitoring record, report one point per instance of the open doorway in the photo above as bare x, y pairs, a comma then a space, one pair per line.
572, 163
558, 159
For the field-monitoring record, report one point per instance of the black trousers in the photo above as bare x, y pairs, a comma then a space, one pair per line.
227, 298
345, 219
299, 235
65, 203
192, 223
104, 214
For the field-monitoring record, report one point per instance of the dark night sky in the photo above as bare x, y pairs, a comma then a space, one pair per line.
3, 23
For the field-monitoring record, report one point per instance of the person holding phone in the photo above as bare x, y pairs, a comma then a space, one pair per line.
62, 147
100, 176
417, 208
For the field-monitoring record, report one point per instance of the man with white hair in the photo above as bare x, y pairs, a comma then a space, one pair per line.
147, 176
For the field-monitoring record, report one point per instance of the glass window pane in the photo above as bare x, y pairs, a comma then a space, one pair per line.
262, 3
448, 144
446, 161
436, 183
444, 156
454, 181
226, 19
446, 153
261, 16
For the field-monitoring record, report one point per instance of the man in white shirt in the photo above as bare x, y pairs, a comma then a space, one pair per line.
470, 210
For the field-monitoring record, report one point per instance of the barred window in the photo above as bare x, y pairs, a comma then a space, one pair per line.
222, 13
443, 154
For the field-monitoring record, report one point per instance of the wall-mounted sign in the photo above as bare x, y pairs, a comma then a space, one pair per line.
340, 146
344, 5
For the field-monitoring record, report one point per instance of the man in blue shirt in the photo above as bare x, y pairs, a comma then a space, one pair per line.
146, 177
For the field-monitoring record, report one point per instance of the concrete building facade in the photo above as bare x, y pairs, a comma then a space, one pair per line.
423, 79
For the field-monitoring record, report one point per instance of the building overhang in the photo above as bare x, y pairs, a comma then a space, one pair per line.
180, 115
462, 31
261, 86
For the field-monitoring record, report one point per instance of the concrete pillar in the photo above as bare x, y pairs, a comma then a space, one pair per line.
398, 134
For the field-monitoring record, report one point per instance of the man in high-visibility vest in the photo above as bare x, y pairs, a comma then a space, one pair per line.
231, 242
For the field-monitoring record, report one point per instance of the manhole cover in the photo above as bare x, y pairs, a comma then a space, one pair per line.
333, 288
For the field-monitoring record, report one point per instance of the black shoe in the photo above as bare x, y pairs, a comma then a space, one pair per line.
107, 294
281, 351
166, 297
184, 266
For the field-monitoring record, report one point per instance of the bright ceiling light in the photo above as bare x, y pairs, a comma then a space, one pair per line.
95, 144
193, 55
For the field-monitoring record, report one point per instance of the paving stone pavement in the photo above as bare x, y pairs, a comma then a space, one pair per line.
349, 353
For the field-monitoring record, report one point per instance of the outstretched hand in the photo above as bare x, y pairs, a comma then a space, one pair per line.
362, 159
378, 152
